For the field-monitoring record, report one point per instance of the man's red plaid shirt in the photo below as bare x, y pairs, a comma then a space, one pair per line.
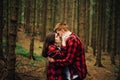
75, 57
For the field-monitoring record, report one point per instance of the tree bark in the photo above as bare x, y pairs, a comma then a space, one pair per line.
82, 19
1, 30
11, 58
33, 34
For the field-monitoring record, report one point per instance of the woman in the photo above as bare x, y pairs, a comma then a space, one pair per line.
52, 49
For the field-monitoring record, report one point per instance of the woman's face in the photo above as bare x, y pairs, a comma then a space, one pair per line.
57, 38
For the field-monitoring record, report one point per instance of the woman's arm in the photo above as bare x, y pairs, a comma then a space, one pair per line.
55, 52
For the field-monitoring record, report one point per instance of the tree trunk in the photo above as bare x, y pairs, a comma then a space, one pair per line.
44, 19
63, 11
90, 22
54, 14
33, 34
113, 33
11, 58
98, 55
7, 27
1, 30
82, 19
32, 48
88, 29
73, 16
27, 16
78, 18
94, 28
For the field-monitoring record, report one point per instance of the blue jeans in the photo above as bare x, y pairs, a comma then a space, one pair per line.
78, 78
67, 73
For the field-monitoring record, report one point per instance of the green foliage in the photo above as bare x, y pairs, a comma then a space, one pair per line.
117, 79
3, 44
116, 70
22, 51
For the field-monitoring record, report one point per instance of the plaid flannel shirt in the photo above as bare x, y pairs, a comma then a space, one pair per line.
55, 72
75, 58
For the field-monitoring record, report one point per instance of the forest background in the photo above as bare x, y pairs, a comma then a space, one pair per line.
25, 23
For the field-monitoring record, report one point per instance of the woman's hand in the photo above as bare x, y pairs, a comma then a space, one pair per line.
51, 59
64, 38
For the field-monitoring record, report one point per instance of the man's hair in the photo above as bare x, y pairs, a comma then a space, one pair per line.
60, 26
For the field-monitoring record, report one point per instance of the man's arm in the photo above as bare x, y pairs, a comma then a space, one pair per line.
71, 50
53, 52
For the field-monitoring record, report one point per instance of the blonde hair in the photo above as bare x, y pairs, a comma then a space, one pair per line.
60, 26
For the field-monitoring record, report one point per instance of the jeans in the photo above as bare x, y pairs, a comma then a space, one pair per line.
67, 73
78, 78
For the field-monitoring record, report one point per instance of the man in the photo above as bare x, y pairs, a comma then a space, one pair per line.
75, 55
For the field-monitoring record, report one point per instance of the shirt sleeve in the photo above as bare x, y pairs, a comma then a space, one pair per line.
55, 52
71, 50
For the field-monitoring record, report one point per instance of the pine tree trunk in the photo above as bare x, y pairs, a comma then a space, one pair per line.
11, 58
44, 19
7, 27
88, 31
62, 10
27, 16
54, 14
82, 19
49, 17
113, 33
70, 11
98, 56
1, 29
90, 22
33, 34
78, 19
32, 48
73, 16
66, 11
94, 28
107, 19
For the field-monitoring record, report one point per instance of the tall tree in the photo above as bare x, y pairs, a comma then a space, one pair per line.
73, 15
82, 19
7, 26
107, 20
33, 34
90, 22
1, 29
112, 52
51, 15
88, 28
54, 13
69, 12
94, 27
65, 11
98, 55
78, 18
45, 2
27, 13
117, 32
11, 58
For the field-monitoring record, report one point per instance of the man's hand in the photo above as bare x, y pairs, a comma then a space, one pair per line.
64, 38
51, 59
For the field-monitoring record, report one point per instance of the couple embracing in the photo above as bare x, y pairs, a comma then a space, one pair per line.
65, 53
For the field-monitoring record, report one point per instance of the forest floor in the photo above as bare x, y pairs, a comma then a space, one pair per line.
35, 69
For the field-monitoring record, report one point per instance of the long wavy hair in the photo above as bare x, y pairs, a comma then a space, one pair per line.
49, 40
